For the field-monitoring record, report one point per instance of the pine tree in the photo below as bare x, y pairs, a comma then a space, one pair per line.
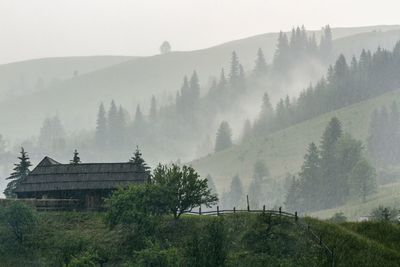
101, 127
281, 57
292, 196
310, 179
236, 192
326, 43
224, 137
261, 65
153, 109
329, 163
194, 88
246, 133
139, 162
234, 71
76, 159
21, 170
113, 124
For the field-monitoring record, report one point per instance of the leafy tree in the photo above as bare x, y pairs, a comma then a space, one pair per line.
139, 162
224, 137
21, 170
20, 220
76, 159
165, 47
183, 188
338, 217
363, 179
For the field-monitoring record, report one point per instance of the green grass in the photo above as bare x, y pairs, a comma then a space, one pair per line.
63, 236
283, 151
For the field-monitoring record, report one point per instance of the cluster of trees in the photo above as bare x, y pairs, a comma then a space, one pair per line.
300, 47
332, 173
345, 84
384, 135
263, 190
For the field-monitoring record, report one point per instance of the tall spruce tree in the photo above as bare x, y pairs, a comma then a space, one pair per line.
153, 109
260, 68
224, 137
310, 179
139, 162
329, 163
20, 171
101, 127
113, 124
363, 182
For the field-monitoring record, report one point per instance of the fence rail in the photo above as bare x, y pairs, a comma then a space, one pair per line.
299, 221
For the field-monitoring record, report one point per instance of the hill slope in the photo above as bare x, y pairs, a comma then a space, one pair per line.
134, 81
25, 77
283, 151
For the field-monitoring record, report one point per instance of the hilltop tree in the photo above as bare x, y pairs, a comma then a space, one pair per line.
261, 65
138, 161
21, 170
326, 43
52, 135
224, 137
235, 195
165, 47
113, 124
76, 159
281, 56
101, 127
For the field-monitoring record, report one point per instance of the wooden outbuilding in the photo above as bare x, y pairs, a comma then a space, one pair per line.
89, 183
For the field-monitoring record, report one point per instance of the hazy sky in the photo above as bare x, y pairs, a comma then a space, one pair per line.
43, 28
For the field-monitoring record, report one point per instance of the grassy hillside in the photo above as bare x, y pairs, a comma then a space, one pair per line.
387, 196
25, 77
283, 151
134, 81
84, 239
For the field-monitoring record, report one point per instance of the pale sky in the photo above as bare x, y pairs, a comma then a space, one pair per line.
46, 28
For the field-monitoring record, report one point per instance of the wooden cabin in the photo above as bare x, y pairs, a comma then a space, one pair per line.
87, 182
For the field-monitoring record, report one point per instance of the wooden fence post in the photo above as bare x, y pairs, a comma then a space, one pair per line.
295, 216
217, 210
263, 208
200, 210
234, 209
280, 210
248, 205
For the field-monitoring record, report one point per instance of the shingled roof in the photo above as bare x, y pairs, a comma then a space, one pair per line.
50, 175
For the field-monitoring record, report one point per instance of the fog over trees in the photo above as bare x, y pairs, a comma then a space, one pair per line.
237, 106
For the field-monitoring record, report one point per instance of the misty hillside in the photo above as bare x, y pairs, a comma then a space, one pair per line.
283, 151
25, 77
134, 81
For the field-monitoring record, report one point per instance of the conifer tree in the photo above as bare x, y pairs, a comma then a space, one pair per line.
261, 65
292, 196
236, 192
326, 43
76, 159
224, 137
194, 87
246, 133
139, 162
310, 179
211, 185
153, 109
281, 56
112, 124
21, 170
234, 74
101, 127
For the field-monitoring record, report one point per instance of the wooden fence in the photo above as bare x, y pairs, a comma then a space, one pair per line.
299, 222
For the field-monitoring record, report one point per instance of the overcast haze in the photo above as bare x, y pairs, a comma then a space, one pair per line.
47, 28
